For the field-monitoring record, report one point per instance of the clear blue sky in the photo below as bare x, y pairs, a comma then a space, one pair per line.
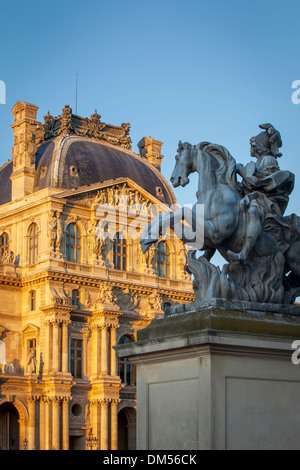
194, 70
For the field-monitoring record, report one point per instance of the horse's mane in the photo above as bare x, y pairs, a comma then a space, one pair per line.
227, 168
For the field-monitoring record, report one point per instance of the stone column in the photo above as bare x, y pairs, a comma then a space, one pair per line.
55, 347
65, 423
95, 420
65, 343
46, 357
42, 423
104, 425
47, 424
95, 351
104, 352
85, 335
31, 423
114, 424
55, 423
113, 359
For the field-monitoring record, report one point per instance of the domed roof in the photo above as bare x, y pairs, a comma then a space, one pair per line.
73, 161
72, 152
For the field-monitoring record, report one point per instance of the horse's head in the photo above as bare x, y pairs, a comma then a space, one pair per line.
184, 164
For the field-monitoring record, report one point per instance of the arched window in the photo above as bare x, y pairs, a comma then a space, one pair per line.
163, 259
126, 370
4, 244
32, 300
33, 243
119, 252
73, 243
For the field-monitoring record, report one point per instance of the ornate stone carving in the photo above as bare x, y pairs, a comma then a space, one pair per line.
49, 124
68, 123
8, 257
106, 295
128, 300
154, 303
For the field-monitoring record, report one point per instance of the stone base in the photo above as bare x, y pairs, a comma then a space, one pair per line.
237, 305
217, 379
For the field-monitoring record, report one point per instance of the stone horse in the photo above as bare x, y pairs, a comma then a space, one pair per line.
234, 225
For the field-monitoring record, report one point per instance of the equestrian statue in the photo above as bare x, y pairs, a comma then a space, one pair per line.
243, 219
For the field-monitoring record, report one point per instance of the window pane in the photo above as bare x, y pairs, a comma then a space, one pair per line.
163, 261
76, 357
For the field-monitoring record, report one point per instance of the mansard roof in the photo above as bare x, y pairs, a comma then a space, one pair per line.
72, 152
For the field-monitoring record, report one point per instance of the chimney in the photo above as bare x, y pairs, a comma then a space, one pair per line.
151, 150
23, 151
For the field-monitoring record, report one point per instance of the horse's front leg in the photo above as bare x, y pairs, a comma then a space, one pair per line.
158, 227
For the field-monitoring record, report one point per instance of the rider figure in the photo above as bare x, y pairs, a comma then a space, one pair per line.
265, 187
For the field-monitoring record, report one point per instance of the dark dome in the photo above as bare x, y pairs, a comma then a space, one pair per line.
72, 161
5, 182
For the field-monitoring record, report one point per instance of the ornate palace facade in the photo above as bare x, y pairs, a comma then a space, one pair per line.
73, 280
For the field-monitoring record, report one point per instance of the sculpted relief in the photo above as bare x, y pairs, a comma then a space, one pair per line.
243, 219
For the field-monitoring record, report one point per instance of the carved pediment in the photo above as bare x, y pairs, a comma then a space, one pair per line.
30, 328
124, 196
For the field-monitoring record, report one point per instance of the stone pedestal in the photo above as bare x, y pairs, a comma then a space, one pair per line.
217, 379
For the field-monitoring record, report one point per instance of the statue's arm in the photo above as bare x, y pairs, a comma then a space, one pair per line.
247, 172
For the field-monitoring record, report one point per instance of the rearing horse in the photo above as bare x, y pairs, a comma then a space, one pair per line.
218, 191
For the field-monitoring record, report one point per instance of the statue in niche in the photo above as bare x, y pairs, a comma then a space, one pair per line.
243, 220
52, 231
60, 232
31, 362
105, 242
93, 240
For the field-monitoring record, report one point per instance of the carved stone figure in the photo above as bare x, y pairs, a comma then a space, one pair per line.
7, 257
93, 241
52, 230
105, 243
66, 121
106, 295
60, 232
244, 221
31, 363
49, 126
154, 302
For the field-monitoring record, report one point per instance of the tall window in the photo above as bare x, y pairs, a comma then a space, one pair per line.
163, 259
119, 252
73, 243
33, 243
76, 357
75, 298
126, 370
32, 300
4, 245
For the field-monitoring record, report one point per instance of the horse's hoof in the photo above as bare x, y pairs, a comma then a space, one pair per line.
145, 244
235, 256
